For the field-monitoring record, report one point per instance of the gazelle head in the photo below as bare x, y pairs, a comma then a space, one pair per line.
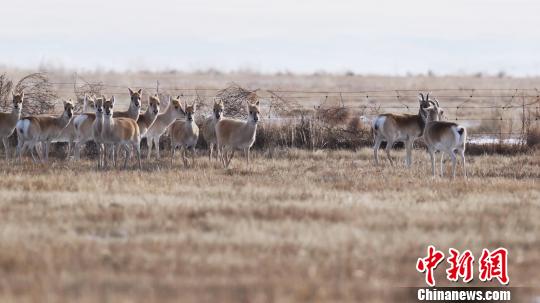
177, 106
99, 106
153, 104
135, 97
218, 109
190, 110
253, 108
108, 107
429, 110
68, 108
89, 103
17, 101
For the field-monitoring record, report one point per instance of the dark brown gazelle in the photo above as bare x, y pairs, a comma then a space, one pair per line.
405, 128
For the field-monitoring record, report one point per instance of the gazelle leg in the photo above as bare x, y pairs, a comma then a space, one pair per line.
453, 156
156, 144
432, 157
6, 147
173, 153
47, 146
149, 145
231, 157
193, 154
137, 147
442, 164
388, 148
247, 155
211, 148
128, 155
184, 155
376, 147
408, 147
463, 162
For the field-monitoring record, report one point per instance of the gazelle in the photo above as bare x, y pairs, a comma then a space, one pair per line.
184, 134
446, 137
84, 124
69, 134
120, 131
404, 128
162, 123
34, 130
8, 121
235, 134
134, 106
209, 127
149, 117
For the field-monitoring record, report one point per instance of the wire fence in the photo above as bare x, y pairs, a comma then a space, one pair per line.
496, 112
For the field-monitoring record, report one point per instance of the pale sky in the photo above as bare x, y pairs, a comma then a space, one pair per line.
381, 37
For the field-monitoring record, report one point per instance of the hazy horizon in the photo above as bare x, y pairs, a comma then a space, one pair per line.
373, 37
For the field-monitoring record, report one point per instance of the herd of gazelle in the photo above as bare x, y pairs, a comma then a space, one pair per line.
113, 130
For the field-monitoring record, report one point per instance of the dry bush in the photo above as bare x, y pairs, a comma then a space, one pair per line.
235, 98
6, 88
86, 89
39, 94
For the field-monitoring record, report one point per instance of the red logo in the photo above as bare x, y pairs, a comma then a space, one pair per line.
494, 265
491, 265
429, 263
460, 266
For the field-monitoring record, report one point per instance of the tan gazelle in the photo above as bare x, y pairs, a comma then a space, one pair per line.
209, 127
34, 131
163, 121
8, 121
69, 134
235, 134
120, 132
134, 106
147, 119
184, 134
402, 128
446, 137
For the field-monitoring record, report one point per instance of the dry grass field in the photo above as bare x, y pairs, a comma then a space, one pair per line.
297, 226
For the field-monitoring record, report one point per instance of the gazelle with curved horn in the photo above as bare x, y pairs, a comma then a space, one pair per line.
446, 137
404, 128
8, 121
161, 124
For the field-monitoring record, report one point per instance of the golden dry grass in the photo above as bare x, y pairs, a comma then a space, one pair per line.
298, 226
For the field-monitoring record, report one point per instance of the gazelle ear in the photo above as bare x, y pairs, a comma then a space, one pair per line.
64, 102
257, 103
421, 97
140, 91
22, 95
130, 91
113, 99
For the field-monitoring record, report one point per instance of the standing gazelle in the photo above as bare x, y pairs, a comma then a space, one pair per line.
184, 134
120, 131
149, 117
235, 134
446, 137
162, 123
34, 130
69, 133
134, 106
402, 128
8, 121
209, 127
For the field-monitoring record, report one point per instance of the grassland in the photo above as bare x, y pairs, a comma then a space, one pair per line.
296, 226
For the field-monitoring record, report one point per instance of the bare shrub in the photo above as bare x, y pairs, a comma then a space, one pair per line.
533, 137
6, 87
39, 94
87, 89
235, 98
